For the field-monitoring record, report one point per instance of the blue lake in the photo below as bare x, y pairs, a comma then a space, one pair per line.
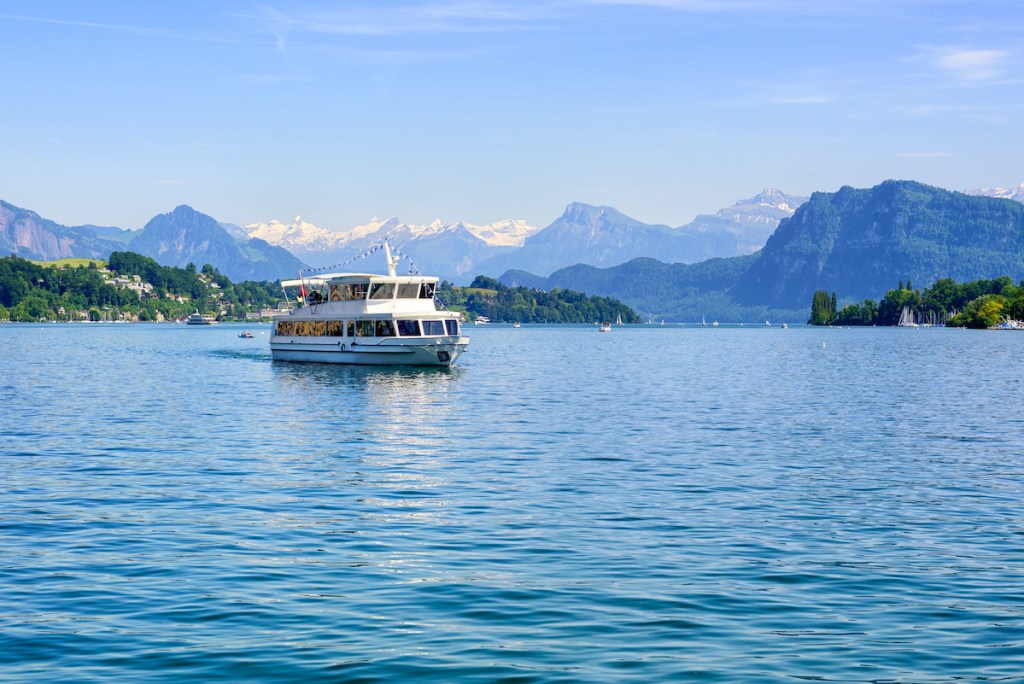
654, 504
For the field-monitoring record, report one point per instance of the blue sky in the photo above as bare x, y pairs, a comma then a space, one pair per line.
479, 110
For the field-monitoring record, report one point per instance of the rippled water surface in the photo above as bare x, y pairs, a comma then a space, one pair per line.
656, 504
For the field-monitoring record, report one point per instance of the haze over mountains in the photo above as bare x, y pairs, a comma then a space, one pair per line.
455, 251
600, 236
451, 251
857, 242
173, 239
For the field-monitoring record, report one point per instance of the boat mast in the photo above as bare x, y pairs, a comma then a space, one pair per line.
392, 262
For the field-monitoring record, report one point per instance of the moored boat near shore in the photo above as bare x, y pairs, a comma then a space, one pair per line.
200, 319
367, 319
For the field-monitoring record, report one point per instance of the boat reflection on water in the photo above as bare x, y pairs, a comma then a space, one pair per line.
389, 409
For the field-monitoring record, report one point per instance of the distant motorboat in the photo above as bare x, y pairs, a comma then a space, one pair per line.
785, 326
605, 327
481, 320
516, 325
246, 334
714, 324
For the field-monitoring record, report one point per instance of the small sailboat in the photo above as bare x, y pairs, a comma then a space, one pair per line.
907, 319
618, 319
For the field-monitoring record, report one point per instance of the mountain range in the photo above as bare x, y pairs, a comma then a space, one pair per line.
856, 242
173, 239
451, 251
455, 251
600, 236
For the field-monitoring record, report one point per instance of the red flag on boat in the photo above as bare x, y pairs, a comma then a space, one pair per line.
302, 286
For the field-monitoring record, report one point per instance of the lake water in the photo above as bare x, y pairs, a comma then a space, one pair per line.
654, 504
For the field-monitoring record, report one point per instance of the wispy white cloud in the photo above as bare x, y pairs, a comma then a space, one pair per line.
381, 20
972, 65
923, 155
137, 139
147, 31
803, 99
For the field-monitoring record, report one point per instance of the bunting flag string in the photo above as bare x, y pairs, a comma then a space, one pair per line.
413, 269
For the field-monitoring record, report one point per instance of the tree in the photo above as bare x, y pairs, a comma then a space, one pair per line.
823, 308
984, 312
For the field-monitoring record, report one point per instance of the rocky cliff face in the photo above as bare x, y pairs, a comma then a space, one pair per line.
26, 234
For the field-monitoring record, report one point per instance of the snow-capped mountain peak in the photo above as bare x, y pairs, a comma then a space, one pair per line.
507, 233
1016, 193
302, 236
295, 236
767, 208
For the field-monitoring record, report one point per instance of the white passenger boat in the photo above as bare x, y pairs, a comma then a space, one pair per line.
200, 319
367, 319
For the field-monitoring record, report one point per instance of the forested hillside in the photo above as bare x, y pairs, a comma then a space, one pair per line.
109, 291
858, 242
500, 303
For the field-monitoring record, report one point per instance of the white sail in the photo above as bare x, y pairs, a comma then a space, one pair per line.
907, 318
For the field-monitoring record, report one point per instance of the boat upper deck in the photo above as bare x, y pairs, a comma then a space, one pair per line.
345, 294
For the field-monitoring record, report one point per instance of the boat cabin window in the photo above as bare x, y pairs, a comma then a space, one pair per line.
427, 291
317, 328
382, 291
408, 328
335, 328
452, 325
364, 329
348, 291
433, 327
385, 329
285, 328
408, 290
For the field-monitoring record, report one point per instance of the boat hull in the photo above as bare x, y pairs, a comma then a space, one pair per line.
406, 354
